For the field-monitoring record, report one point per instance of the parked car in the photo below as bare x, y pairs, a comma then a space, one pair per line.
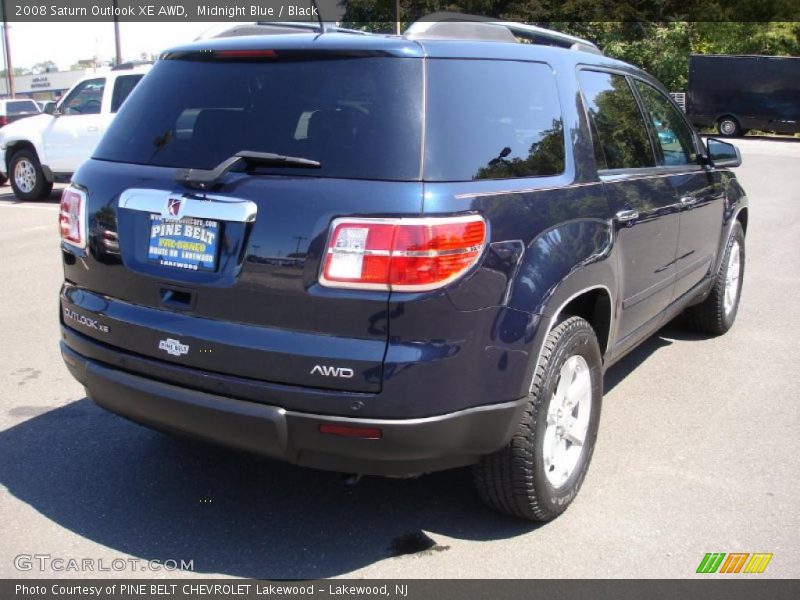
14, 109
477, 229
48, 148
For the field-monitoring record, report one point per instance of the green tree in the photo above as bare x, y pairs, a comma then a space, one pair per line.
17, 72
661, 48
44, 67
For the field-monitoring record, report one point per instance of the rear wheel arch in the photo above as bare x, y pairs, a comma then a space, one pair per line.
593, 303
18, 145
596, 307
741, 217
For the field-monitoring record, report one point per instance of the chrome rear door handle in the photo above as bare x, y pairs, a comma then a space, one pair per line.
626, 216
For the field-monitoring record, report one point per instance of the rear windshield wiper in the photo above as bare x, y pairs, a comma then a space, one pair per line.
207, 177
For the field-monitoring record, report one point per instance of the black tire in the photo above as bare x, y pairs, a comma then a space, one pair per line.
3, 180
36, 186
514, 479
728, 126
711, 316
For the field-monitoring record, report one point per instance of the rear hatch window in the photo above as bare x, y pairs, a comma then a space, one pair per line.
360, 117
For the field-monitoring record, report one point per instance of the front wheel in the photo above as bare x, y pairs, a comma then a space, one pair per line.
538, 474
716, 314
27, 177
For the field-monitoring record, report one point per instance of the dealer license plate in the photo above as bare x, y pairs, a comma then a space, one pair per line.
188, 243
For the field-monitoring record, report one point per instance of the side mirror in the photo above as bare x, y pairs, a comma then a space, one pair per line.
723, 154
50, 109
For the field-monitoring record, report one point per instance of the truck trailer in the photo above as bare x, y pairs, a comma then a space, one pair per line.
738, 93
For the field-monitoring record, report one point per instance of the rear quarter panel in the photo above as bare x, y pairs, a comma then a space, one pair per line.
549, 237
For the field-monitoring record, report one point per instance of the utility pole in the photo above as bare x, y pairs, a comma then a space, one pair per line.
397, 17
117, 45
7, 54
299, 239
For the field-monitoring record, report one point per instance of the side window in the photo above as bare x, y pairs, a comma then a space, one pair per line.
86, 99
674, 136
492, 119
123, 86
619, 133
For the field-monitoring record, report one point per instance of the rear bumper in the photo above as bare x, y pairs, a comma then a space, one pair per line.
406, 446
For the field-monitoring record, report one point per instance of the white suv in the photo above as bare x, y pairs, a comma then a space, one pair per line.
39, 151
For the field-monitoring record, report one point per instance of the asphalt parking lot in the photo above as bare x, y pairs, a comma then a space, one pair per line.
698, 451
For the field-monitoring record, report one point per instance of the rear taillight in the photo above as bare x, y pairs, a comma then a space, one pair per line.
71, 218
415, 254
3, 121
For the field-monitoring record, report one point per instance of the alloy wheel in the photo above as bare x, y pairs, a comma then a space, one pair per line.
25, 175
732, 274
567, 420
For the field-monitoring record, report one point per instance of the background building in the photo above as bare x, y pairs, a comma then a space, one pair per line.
45, 86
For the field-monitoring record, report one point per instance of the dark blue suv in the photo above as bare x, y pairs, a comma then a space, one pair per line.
393, 255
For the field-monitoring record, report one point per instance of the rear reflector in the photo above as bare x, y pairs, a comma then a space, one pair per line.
71, 218
415, 254
372, 433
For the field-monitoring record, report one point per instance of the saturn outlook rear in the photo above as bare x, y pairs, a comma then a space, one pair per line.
355, 253
249, 258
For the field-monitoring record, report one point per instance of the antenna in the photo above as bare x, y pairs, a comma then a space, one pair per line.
319, 17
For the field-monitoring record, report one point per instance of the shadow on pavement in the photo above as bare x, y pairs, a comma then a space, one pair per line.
676, 330
767, 138
770, 138
145, 494
7, 196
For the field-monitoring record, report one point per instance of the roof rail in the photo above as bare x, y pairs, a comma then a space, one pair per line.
458, 26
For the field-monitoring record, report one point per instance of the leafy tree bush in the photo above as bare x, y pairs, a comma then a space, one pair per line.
661, 48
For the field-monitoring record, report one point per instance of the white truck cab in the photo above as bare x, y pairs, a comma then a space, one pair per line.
39, 151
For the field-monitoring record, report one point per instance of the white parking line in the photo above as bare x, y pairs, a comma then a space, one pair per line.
50, 207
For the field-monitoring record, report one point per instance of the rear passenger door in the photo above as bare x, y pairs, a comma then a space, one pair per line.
642, 200
700, 197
